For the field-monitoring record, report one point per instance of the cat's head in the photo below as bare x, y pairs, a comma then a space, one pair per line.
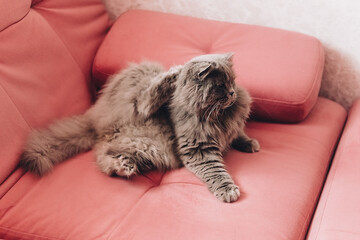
206, 84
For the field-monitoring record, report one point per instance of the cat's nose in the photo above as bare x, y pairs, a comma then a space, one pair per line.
232, 93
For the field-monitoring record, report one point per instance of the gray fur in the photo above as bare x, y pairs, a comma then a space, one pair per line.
147, 118
59, 141
208, 112
126, 137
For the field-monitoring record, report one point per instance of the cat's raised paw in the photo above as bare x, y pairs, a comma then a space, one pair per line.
229, 193
174, 71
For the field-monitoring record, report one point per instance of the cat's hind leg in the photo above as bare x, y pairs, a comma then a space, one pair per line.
120, 165
112, 163
127, 156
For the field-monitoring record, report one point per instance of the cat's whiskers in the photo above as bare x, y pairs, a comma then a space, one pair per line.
213, 108
232, 103
218, 113
205, 113
208, 112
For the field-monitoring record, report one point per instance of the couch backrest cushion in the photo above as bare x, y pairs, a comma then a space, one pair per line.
282, 70
46, 54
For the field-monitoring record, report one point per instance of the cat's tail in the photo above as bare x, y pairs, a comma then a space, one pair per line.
61, 140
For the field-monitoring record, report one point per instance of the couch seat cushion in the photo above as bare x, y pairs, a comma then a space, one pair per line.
281, 69
279, 190
337, 215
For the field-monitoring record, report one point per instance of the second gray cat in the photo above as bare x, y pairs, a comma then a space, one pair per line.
147, 118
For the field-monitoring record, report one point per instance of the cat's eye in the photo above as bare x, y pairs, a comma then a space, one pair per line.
216, 74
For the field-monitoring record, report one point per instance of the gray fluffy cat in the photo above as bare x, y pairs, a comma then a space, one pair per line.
147, 118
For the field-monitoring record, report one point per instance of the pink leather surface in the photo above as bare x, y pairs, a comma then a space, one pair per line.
13, 130
281, 69
12, 11
46, 52
279, 189
338, 213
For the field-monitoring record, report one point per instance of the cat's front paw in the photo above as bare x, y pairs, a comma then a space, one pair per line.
248, 146
229, 193
252, 146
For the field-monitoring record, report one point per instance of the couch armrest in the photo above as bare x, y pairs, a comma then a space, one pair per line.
337, 215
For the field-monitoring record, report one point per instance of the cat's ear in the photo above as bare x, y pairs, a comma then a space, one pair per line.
204, 69
229, 56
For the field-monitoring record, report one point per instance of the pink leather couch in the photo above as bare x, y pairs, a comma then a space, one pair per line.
54, 54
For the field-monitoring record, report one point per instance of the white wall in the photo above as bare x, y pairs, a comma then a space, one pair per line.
335, 22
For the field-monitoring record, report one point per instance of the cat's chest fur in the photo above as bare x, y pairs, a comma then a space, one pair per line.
221, 130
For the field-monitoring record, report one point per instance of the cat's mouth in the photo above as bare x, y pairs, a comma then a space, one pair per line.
227, 101
213, 110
